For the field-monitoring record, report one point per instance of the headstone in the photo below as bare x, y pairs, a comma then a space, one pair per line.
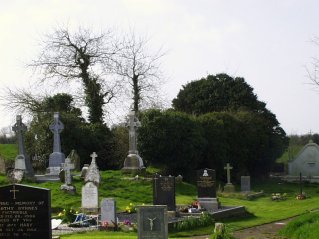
57, 157
229, 187
206, 183
90, 197
179, 179
93, 173
133, 162
164, 191
2, 166
67, 186
152, 222
84, 170
22, 161
245, 183
75, 159
25, 212
108, 211
206, 189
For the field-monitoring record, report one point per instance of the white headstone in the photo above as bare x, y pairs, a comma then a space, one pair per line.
90, 196
108, 211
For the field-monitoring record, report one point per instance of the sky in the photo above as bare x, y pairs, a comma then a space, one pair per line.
269, 43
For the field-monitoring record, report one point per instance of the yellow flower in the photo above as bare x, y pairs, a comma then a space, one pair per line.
129, 211
131, 204
60, 214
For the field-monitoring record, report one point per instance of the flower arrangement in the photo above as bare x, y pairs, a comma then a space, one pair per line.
130, 208
196, 204
301, 196
67, 215
278, 196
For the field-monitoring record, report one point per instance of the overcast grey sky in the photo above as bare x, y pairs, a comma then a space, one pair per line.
266, 42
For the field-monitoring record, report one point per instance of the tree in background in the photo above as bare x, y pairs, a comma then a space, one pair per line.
171, 140
249, 134
139, 68
80, 56
83, 137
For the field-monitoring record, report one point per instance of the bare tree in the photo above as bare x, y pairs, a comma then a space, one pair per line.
81, 56
139, 68
313, 70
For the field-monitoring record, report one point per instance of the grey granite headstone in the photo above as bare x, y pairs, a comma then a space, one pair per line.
90, 197
133, 161
245, 183
164, 191
152, 222
25, 212
2, 166
57, 157
108, 211
22, 161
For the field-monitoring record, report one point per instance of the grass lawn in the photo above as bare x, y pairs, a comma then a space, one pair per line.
8, 151
125, 191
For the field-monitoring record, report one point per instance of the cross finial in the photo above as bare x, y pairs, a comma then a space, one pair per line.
93, 156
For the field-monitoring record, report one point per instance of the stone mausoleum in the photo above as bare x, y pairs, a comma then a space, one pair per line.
306, 162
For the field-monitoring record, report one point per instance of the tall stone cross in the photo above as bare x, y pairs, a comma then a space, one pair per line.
19, 128
228, 168
56, 128
67, 166
93, 156
133, 124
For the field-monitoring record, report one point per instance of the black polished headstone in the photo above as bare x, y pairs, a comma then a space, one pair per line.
25, 212
164, 191
206, 183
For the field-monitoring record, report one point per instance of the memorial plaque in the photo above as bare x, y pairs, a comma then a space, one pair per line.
152, 222
164, 191
25, 212
245, 183
206, 183
108, 211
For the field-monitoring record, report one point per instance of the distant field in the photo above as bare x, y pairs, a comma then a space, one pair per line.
8, 151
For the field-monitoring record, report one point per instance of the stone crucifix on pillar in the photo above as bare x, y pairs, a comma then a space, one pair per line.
67, 186
133, 162
57, 157
22, 161
229, 187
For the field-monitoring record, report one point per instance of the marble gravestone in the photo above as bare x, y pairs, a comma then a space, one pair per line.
22, 161
108, 211
25, 212
90, 197
152, 222
133, 162
75, 159
57, 157
206, 189
164, 191
245, 183
93, 173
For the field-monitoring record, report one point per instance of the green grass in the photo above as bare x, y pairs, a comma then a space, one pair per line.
305, 226
125, 190
8, 151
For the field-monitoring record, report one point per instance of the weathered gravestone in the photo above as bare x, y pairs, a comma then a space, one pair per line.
67, 186
84, 170
245, 183
25, 212
164, 191
152, 222
133, 162
22, 161
2, 166
206, 189
57, 157
90, 197
108, 211
93, 173
75, 159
